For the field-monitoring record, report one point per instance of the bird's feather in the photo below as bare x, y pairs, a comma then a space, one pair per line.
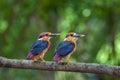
38, 46
64, 48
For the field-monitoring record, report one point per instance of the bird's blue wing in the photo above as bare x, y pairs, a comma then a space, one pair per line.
38, 46
64, 48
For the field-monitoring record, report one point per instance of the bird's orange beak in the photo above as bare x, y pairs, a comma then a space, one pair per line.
54, 34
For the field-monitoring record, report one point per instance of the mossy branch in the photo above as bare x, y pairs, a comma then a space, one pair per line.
61, 66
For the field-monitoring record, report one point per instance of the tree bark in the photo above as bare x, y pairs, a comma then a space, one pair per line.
60, 66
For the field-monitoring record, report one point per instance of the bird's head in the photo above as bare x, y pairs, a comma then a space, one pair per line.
72, 36
47, 35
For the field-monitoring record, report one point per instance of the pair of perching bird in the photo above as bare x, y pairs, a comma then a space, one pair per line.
63, 50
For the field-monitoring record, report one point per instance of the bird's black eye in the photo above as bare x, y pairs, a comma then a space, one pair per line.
71, 35
40, 36
46, 34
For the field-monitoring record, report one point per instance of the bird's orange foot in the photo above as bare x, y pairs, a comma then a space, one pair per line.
63, 63
42, 60
36, 61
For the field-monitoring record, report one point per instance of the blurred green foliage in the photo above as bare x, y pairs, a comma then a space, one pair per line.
22, 20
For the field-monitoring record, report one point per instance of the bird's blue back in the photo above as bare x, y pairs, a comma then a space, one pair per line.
64, 48
38, 46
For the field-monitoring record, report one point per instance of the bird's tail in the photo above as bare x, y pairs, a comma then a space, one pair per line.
56, 57
29, 56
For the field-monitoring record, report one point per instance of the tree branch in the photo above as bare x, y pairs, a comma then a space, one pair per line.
61, 66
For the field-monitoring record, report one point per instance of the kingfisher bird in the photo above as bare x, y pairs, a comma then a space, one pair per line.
66, 48
40, 46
